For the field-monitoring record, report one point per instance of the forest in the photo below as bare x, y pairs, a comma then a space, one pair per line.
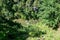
29, 19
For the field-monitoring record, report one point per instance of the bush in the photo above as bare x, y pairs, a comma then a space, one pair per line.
46, 11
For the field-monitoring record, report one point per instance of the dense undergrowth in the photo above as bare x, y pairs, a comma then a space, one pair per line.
29, 19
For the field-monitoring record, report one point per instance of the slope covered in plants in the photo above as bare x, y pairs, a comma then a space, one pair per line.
29, 19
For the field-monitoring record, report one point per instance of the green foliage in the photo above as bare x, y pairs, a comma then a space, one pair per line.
32, 9
46, 12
